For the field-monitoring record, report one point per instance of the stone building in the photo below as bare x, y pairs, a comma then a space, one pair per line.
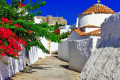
52, 20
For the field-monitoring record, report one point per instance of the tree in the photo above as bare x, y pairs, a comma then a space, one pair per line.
58, 25
16, 13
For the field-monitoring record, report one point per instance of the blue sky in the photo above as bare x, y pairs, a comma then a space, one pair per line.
69, 9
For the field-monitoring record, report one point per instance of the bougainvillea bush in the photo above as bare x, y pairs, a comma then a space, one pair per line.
64, 35
9, 41
23, 24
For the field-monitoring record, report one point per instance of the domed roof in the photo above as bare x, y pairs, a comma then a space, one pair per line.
98, 8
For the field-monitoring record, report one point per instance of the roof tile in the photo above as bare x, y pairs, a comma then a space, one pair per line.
94, 33
89, 26
98, 8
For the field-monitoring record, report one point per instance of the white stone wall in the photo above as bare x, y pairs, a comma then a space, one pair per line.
90, 29
64, 27
64, 30
33, 55
63, 47
79, 52
74, 26
75, 36
92, 19
63, 50
104, 63
54, 46
18, 65
13, 67
36, 53
46, 45
96, 40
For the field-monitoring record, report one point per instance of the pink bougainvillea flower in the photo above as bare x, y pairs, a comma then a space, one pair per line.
4, 20
57, 31
21, 4
9, 21
2, 54
28, 31
17, 26
0, 41
9, 42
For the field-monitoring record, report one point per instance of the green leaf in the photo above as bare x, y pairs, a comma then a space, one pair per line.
6, 44
5, 63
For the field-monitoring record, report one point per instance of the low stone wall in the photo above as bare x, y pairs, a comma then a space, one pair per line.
18, 65
54, 47
104, 63
63, 50
79, 52
33, 55
41, 54
13, 67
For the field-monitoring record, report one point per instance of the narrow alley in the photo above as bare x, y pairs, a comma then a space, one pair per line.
49, 68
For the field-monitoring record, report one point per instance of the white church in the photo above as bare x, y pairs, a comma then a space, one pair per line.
88, 26
89, 22
92, 18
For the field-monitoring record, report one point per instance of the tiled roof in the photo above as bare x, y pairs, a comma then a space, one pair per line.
94, 33
89, 26
98, 8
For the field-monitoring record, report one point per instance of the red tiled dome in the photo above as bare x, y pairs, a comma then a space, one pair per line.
98, 8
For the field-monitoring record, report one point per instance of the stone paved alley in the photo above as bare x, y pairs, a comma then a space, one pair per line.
50, 68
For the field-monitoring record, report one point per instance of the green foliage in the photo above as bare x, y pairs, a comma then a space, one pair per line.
5, 63
17, 16
64, 35
58, 25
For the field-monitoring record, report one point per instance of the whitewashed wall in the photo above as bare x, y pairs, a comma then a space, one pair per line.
96, 40
92, 19
79, 52
64, 30
63, 47
90, 29
18, 65
38, 53
104, 63
74, 26
54, 46
33, 55
64, 27
13, 67
41, 54
75, 36
63, 50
